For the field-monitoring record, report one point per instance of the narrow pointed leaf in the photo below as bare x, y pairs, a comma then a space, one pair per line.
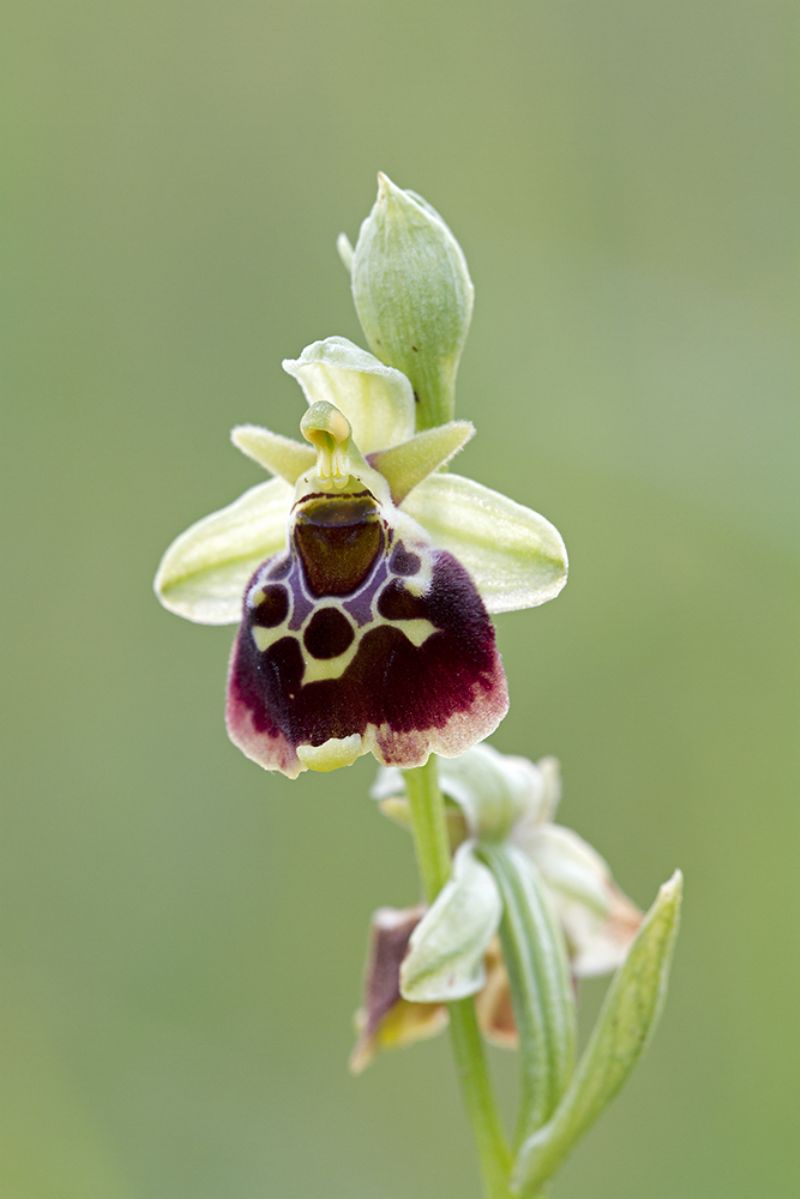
281, 456
404, 466
447, 948
515, 556
541, 991
203, 574
623, 1029
375, 398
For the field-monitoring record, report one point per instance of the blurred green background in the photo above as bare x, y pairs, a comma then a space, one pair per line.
182, 935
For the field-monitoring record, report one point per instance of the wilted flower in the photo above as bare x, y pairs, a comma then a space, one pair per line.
367, 579
451, 950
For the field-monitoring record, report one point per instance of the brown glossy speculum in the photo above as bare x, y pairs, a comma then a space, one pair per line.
339, 538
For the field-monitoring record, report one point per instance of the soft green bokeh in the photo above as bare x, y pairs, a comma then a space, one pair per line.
182, 935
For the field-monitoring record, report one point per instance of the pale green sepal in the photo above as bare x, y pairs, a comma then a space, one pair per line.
624, 1027
446, 950
517, 559
376, 399
535, 957
414, 296
203, 574
345, 251
493, 790
281, 456
405, 466
490, 795
569, 865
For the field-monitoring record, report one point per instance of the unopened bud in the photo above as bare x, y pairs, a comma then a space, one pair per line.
414, 296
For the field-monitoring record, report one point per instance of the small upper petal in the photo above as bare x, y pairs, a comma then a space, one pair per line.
405, 466
281, 456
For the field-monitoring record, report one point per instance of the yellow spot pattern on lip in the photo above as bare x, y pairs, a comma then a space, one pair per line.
264, 637
329, 668
316, 670
417, 630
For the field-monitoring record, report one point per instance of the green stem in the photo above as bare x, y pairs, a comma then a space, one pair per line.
433, 857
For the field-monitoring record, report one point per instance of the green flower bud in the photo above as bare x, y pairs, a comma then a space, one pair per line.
414, 296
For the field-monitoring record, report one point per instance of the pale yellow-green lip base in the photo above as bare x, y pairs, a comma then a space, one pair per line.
333, 753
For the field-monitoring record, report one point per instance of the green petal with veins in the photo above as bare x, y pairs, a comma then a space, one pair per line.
446, 950
376, 399
516, 557
202, 575
281, 456
569, 865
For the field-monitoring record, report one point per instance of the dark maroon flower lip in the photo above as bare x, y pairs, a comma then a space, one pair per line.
361, 639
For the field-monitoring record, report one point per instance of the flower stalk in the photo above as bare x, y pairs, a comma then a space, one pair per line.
433, 859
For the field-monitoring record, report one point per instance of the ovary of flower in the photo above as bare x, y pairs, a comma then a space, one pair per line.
367, 576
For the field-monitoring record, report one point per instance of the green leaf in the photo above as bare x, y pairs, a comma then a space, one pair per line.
624, 1027
203, 574
281, 456
376, 399
535, 957
405, 466
447, 948
517, 559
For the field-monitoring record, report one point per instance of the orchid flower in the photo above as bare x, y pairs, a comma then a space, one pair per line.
362, 577
418, 960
